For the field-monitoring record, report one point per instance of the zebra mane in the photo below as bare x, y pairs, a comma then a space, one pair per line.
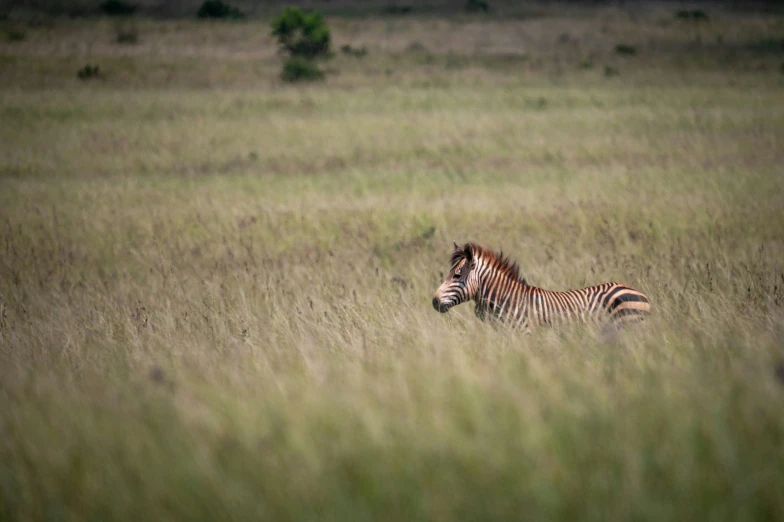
502, 263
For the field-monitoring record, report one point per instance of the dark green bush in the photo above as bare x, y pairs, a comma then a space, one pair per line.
88, 71
220, 10
611, 71
305, 36
117, 8
301, 33
628, 50
300, 69
477, 6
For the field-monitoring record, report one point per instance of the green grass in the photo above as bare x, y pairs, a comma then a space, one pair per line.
215, 288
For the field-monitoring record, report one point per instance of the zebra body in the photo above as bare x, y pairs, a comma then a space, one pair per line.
494, 283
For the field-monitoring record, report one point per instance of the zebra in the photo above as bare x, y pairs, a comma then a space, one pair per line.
494, 283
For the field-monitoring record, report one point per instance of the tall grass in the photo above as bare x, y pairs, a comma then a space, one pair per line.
215, 303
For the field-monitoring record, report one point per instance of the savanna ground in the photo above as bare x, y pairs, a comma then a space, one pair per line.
215, 288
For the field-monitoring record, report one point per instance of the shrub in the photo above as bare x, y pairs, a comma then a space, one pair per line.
218, 9
305, 36
302, 34
300, 69
88, 71
628, 50
611, 71
477, 6
117, 8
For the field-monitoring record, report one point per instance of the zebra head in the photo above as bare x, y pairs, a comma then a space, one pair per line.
462, 281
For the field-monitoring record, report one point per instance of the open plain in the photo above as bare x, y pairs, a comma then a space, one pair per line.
215, 287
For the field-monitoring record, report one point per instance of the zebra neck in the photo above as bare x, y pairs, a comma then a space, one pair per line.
501, 295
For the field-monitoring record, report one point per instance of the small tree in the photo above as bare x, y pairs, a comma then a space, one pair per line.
302, 34
305, 36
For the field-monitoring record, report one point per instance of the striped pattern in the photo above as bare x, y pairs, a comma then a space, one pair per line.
494, 283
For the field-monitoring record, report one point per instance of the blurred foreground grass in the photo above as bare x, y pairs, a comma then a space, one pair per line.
215, 290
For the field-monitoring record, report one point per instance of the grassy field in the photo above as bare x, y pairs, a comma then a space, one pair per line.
215, 287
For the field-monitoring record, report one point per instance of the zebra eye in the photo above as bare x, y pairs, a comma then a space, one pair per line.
457, 273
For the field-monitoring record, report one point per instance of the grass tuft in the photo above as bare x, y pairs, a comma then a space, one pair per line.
356, 52
88, 72
626, 50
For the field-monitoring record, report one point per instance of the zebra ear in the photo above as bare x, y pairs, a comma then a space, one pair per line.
469, 254
457, 247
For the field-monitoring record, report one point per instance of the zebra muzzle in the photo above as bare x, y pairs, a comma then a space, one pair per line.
440, 307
